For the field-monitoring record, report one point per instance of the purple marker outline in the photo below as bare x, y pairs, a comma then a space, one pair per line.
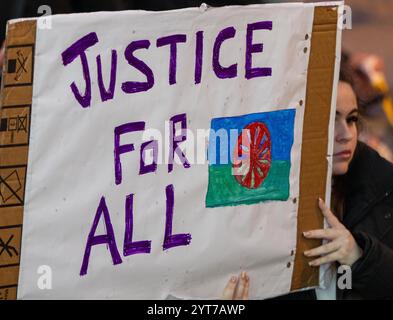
107, 94
198, 57
108, 238
220, 71
120, 149
130, 248
149, 145
172, 240
70, 54
172, 40
174, 141
254, 48
135, 86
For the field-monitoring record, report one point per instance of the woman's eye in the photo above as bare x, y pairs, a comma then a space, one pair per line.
352, 119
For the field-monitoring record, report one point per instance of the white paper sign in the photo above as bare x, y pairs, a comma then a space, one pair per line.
108, 210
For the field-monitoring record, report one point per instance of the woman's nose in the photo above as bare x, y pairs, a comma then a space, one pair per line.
344, 133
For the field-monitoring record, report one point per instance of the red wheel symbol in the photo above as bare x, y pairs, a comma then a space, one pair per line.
252, 155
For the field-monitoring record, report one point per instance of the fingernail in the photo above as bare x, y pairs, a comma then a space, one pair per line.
311, 263
243, 275
234, 279
247, 278
306, 233
306, 253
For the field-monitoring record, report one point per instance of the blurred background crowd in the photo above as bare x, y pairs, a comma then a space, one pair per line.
367, 49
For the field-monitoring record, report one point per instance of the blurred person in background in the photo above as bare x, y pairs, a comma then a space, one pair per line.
373, 92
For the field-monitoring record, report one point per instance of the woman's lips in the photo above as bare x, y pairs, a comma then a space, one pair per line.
343, 155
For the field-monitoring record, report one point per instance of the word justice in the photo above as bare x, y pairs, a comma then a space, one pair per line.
79, 48
130, 246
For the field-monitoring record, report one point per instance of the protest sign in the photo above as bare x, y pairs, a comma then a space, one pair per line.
162, 152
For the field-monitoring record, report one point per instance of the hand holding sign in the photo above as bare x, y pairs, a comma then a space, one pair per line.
341, 247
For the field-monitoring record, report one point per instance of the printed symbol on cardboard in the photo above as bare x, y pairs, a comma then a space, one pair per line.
7, 248
12, 123
17, 124
3, 124
11, 68
10, 239
17, 66
14, 126
9, 187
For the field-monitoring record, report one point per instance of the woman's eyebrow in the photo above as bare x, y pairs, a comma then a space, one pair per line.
355, 110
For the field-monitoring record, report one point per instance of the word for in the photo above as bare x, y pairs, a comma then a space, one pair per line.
151, 145
79, 48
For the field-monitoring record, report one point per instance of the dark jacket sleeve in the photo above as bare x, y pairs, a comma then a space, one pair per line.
372, 274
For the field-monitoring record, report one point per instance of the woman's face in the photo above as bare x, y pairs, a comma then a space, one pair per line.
345, 132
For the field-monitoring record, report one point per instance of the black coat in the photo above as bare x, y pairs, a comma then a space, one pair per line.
368, 215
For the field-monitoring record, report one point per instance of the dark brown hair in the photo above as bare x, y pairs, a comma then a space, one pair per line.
339, 183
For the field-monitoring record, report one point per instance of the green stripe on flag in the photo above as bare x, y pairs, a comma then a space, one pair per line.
224, 190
